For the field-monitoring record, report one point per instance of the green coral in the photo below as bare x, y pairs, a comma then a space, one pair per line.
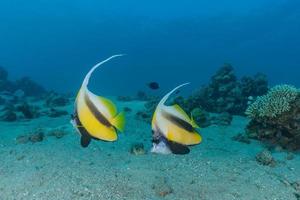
276, 102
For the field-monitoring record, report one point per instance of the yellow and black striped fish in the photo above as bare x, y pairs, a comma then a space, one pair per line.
173, 130
96, 117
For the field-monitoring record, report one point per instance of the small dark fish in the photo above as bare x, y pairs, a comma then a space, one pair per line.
153, 85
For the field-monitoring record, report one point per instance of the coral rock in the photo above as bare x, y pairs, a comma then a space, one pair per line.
22, 139
57, 133
37, 136
275, 117
6, 85
28, 111
226, 93
265, 158
57, 113
56, 100
137, 149
201, 117
9, 116
127, 109
30, 87
277, 101
223, 119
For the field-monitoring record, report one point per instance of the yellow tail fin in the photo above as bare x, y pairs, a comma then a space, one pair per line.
119, 121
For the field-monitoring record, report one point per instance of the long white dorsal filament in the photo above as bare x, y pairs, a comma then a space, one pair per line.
165, 98
87, 77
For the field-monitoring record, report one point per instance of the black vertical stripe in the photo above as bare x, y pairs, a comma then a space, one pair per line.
81, 129
97, 114
179, 122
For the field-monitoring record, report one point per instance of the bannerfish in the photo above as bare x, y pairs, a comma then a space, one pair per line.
172, 129
153, 85
96, 117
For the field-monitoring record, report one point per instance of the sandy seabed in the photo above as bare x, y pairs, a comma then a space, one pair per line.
217, 169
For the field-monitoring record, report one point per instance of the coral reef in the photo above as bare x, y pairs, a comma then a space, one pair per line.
8, 98
21, 99
38, 135
9, 116
8, 113
127, 109
201, 117
226, 93
222, 119
275, 117
28, 111
30, 87
53, 113
25, 84
254, 86
277, 101
15, 110
56, 100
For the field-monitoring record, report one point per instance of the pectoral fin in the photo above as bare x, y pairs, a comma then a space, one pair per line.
194, 123
181, 112
109, 105
119, 121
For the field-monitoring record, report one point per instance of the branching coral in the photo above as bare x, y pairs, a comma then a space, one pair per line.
277, 101
275, 117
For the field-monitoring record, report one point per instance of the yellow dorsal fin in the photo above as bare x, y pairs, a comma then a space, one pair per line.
109, 105
119, 121
182, 112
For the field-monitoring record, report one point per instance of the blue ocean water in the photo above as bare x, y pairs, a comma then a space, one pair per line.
56, 42
230, 134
